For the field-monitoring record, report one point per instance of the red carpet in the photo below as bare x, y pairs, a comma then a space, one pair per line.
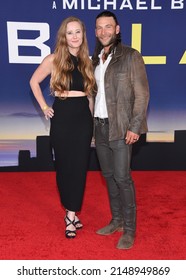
32, 226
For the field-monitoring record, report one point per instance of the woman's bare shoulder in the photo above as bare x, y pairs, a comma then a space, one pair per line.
49, 58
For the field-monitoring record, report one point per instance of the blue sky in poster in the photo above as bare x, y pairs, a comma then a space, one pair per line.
163, 34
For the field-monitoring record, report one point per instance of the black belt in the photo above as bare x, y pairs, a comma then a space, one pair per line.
102, 121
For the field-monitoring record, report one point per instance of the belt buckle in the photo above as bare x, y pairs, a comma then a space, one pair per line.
102, 121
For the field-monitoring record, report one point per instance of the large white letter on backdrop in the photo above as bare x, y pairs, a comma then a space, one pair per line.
14, 41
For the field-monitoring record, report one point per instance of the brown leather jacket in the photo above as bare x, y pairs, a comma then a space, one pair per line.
127, 93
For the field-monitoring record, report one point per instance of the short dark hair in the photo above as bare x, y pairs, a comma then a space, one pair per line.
107, 14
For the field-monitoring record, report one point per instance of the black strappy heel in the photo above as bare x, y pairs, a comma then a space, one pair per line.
78, 223
70, 233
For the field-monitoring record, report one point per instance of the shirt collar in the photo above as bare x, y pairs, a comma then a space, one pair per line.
101, 53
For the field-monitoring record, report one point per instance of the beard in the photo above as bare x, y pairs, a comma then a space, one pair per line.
110, 42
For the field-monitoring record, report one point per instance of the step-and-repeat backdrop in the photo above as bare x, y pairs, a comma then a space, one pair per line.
28, 33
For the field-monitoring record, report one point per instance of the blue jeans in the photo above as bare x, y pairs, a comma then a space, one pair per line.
114, 158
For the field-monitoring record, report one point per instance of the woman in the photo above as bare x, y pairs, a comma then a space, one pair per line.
72, 83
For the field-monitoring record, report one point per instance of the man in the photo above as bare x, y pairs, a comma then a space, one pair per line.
120, 117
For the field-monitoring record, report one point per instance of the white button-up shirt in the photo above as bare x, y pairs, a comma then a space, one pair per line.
100, 109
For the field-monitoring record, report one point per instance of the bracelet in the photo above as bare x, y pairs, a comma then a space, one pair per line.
45, 107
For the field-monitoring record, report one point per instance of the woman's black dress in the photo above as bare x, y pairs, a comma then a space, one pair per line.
71, 134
